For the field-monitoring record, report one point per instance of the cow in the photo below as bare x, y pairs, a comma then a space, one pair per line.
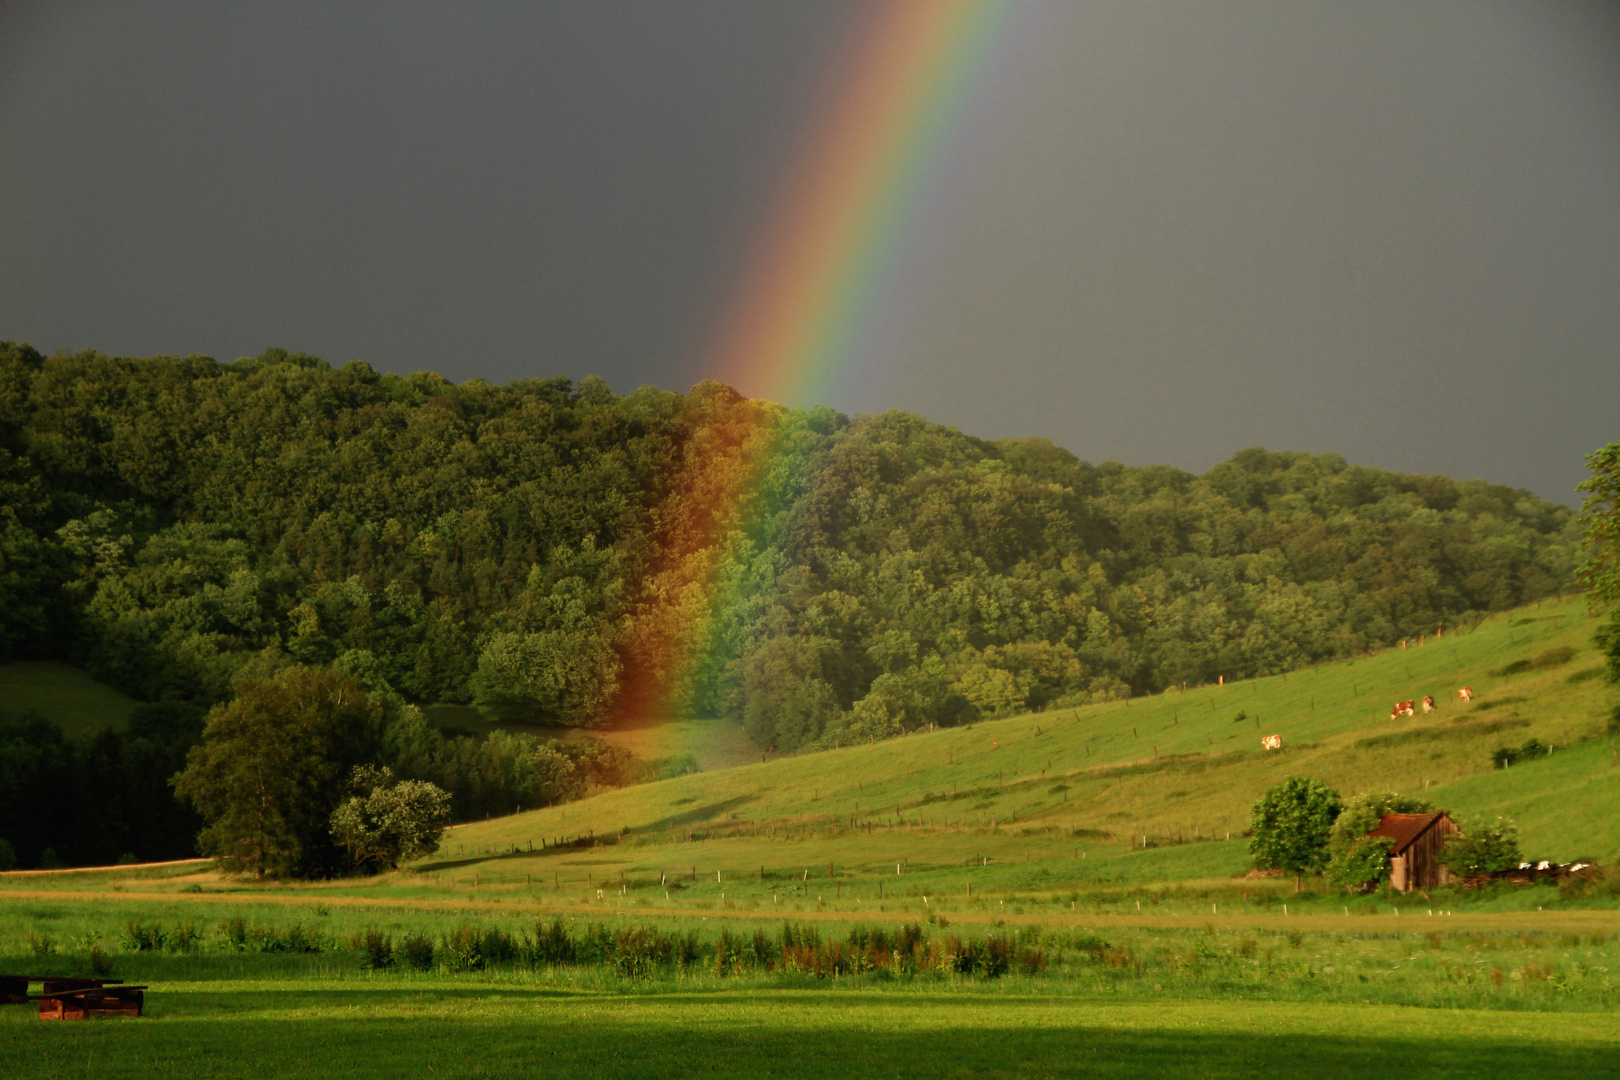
1465, 693
1428, 703
1402, 708
1272, 742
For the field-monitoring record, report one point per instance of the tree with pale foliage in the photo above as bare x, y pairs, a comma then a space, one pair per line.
393, 821
1357, 860
1600, 515
1291, 825
1482, 848
1600, 574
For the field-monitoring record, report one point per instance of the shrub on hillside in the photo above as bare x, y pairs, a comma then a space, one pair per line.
392, 822
1482, 849
1589, 885
1504, 756
667, 768
1554, 657
1364, 864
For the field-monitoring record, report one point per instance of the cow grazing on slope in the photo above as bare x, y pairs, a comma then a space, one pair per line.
1465, 693
1402, 708
1272, 742
1428, 703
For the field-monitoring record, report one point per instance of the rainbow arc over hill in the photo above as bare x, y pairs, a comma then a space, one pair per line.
836, 238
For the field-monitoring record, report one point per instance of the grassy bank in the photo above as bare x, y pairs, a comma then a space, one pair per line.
1176, 766
1219, 996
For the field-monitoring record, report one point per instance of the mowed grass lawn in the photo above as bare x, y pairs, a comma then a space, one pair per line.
389, 1028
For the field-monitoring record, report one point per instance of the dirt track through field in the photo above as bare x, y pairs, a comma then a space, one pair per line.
115, 868
1415, 921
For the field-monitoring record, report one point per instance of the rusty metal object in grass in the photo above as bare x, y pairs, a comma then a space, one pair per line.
86, 1002
14, 988
73, 999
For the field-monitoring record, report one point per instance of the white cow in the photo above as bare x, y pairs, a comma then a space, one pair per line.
1272, 742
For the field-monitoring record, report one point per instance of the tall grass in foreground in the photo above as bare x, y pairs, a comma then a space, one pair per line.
1425, 962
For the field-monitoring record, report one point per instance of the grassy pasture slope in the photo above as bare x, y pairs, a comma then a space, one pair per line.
1173, 766
62, 694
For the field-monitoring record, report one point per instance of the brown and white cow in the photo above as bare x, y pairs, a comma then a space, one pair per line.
1272, 742
1428, 703
1465, 693
1402, 708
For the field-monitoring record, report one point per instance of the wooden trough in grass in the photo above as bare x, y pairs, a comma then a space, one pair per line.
73, 999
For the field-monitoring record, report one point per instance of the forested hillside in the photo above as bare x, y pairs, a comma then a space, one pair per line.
171, 524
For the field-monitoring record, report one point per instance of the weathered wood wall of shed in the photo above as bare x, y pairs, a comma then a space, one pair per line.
1422, 857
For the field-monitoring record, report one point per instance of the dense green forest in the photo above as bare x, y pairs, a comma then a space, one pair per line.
553, 552
167, 521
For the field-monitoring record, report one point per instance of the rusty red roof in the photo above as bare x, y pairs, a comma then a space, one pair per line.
1405, 828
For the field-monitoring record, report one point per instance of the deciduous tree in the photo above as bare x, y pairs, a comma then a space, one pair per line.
1354, 858
391, 821
1482, 848
271, 769
1291, 825
1600, 574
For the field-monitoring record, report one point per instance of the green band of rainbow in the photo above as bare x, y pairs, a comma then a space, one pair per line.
866, 169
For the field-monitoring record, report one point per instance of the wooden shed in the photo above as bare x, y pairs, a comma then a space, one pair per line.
1413, 862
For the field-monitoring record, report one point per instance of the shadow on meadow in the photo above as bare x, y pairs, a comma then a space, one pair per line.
573, 845
521, 1032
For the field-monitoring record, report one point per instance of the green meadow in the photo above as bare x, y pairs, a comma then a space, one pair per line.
324, 1027
62, 694
1063, 893
1150, 789
279, 982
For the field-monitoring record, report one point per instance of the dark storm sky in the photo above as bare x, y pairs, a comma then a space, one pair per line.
1169, 231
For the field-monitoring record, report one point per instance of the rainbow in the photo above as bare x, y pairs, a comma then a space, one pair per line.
864, 173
